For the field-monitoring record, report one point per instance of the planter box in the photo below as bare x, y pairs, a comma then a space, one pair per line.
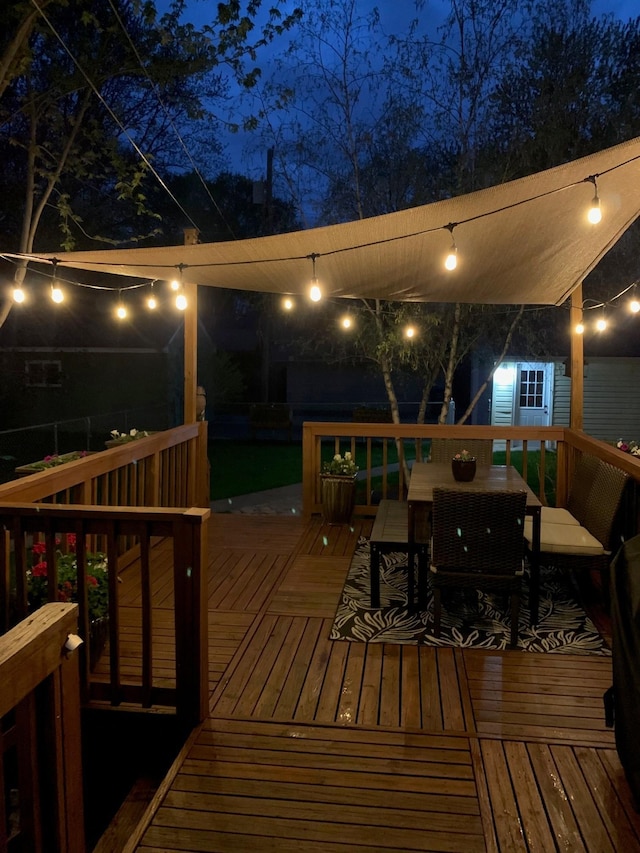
37, 467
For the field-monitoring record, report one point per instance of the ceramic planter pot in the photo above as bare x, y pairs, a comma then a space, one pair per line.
464, 470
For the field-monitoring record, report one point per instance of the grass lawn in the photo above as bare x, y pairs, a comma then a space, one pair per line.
242, 467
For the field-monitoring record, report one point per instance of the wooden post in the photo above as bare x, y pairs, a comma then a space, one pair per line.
576, 418
190, 337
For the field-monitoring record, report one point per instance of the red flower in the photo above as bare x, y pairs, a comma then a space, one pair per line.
71, 541
91, 580
40, 570
39, 548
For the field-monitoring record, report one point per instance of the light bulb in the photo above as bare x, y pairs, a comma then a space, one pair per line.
315, 294
18, 295
287, 304
152, 302
181, 302
451, 261
346, 323
56, 293
595, 214
579, 328
121, 312
410, 332
601, 325
175, 284
634, 306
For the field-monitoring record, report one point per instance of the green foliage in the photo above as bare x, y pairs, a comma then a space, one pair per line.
67, 567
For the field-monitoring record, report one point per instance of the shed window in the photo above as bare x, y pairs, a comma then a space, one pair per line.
43, 374
531, 389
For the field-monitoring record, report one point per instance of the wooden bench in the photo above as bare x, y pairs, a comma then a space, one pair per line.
390, 532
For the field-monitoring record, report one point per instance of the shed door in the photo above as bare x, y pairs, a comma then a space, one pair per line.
533, 394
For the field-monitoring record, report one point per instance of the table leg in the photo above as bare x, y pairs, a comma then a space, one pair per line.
374, 571
534, 582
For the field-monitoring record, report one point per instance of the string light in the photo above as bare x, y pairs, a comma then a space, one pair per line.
634, 304
594, 214
410, 332
287, 303
315, 293
57, 294
152, 302
19, 295
121, 311
181, 299
346, 322
579, 328
451, 261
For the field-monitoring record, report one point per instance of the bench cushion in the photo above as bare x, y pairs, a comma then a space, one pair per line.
557, 515
564, 539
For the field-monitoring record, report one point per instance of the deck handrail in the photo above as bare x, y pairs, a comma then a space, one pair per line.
168, 468
568, 445
188, 532
40, 689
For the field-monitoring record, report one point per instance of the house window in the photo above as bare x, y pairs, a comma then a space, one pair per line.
43, 374
531, 389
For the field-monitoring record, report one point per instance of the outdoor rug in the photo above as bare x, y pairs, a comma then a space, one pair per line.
469, 620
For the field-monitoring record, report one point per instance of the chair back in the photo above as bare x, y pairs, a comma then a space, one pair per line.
478, 531
604, 501
581, 485
444, 449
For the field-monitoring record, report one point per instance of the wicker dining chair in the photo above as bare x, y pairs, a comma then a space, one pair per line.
444, 449
478, 543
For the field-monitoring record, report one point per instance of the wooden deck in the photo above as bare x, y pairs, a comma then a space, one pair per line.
314, 745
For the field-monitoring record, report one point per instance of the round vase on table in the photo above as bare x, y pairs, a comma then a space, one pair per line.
338, 497
464, 470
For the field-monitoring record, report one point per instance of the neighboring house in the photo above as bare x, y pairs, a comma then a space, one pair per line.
70, 361
527, 393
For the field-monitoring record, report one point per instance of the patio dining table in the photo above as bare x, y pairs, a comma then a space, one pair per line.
426, 475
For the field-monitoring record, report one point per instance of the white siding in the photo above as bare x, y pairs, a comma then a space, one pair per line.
502, 400
612, 398
561, 396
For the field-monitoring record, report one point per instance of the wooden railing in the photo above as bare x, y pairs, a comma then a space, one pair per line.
165, 469
120, 501
563, 446
41, 800
184, 573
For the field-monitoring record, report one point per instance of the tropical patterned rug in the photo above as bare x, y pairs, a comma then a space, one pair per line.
469, 619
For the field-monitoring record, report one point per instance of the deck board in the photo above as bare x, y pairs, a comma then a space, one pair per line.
320, 745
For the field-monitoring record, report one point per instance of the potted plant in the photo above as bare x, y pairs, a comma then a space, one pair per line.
51, 461
463, 466
125, 437
67, 565
338, 488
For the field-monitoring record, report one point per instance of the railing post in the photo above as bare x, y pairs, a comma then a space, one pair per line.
191, 619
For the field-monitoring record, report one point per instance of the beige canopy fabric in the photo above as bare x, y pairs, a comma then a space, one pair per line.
527, 241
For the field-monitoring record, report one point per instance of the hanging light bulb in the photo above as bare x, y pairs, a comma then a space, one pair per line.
451, 261
121, 311
634, 304
18, 294
181, 302
594, 215
315, 293
346, 322
174, 284
152, 302
410, 332
601, 323
287, 303
57, 294
579, 329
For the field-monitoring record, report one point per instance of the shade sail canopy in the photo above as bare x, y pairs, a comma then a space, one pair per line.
526, 241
